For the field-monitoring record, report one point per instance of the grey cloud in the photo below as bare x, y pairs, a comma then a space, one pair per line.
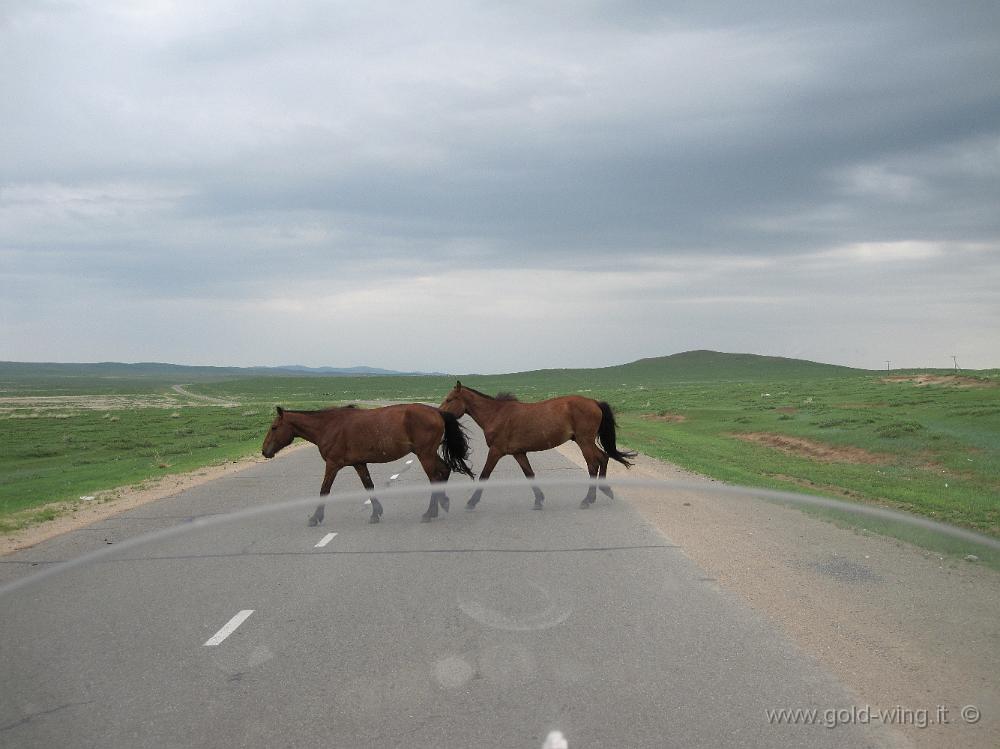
210, 155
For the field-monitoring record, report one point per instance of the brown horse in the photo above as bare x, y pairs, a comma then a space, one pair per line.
515, 428
351, 436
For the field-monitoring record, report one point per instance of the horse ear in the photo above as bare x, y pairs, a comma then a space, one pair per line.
281, 411
458, 384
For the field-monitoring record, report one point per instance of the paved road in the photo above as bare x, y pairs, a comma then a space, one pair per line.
488, 629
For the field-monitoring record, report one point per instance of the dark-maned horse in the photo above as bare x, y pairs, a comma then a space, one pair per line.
515, 428
350, 436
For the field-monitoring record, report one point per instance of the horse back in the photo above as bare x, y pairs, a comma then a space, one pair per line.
381, 434
574, 408
529, 427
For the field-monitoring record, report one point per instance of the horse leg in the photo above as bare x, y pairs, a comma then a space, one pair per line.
437, 472
522, 460
443, 473
491, 461
366, 479
603, 473
589, 451
324, 490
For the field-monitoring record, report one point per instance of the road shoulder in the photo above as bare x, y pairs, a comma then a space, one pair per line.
897, 624
72, 516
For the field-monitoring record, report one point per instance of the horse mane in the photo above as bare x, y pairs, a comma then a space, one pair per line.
322, 410
505, 396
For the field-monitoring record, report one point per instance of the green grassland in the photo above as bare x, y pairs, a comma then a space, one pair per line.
69, 454
932, 448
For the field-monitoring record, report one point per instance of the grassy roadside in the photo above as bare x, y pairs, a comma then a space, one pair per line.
931, 450
59, 457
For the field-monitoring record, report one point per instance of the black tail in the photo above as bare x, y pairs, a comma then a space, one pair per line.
455, 445
606, 433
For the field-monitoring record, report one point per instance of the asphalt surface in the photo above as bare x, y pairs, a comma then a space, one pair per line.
489, 628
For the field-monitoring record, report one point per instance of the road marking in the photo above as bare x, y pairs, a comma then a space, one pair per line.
395, 476
230, 627
555, 740
326, 539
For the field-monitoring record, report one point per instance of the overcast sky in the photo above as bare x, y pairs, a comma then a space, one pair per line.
462, 186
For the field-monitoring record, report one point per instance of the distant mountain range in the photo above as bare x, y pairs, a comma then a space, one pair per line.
684, 366
689, 366
351, 371
178, 372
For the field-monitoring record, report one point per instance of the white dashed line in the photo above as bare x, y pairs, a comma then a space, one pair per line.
406, 467
555, 740
326, 539
230, 627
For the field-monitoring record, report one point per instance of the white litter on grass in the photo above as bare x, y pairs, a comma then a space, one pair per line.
88, 498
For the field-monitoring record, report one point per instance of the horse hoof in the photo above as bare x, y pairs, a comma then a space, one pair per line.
425, 518
470, 507
585, 505
313, 522
445, 503
538, 506
373, 519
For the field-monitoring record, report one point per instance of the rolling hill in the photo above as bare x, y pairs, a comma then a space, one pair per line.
689, 366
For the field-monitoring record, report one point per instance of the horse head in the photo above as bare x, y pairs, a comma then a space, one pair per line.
279, 436
454, 402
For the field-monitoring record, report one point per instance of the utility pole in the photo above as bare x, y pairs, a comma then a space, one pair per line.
955, 359
887, 364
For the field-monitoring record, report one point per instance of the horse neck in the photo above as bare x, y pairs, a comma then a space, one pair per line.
305, 425
482, 408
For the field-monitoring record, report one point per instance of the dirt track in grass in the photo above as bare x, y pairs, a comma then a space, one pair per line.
805, 448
